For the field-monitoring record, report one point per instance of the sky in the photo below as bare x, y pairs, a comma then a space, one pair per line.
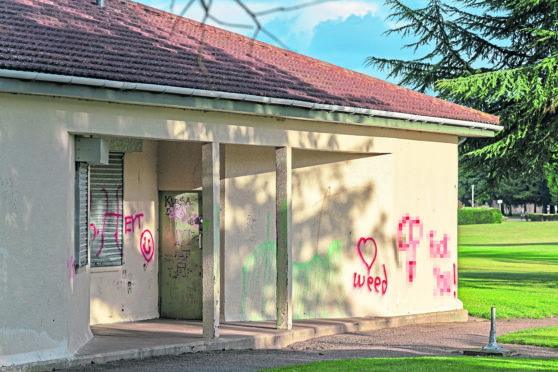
340, 32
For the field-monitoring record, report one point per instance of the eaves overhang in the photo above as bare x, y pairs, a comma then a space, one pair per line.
23, 82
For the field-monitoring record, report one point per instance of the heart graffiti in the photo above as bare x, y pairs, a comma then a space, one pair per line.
363, 244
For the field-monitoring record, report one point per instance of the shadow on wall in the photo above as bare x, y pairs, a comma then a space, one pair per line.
315, 284
253, 130
327, 230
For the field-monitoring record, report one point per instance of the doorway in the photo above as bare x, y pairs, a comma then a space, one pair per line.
180, 255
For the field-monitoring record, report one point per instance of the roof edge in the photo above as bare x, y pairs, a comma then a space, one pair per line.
153, 88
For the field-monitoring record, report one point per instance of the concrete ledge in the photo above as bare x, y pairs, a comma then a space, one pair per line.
253, 335
484, 352
307, 329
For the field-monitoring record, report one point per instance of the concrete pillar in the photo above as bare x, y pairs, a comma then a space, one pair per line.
210, 243
283, 224
222, 152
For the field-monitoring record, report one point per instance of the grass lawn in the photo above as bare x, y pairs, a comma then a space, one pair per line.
465, 364
547, 337
512, 266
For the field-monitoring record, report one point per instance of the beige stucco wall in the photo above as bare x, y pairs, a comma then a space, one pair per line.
336, 196
37, 283
339, 199
341, 194
129, 292
426, 189
179, 166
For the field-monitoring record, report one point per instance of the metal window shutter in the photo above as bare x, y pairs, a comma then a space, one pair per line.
105, 211
82, 173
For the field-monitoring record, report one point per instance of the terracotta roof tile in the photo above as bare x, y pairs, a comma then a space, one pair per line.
130, 42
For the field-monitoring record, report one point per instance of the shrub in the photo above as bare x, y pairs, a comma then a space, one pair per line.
541, 217
534, 217
473, 216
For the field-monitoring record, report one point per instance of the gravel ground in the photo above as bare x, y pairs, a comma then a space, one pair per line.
447, 339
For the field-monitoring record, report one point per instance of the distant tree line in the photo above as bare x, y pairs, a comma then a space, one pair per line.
537, 188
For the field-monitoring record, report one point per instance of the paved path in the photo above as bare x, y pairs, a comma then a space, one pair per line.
447, 339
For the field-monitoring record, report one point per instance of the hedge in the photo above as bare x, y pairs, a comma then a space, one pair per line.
541, 217
472, 216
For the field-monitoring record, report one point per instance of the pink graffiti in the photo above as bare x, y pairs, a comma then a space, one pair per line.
455, 279
371, 282
412, 242
130, 222
182, 210
94, 232
367, 247
116, 215
444, 281
71, 266
439, 248
147, 245
363, 243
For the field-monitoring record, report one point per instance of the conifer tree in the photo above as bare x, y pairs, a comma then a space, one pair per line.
552, 183
498, 56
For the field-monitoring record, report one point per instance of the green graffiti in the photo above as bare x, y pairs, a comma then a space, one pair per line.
284, 225
317, 288
283, 254
258, 281
206, 233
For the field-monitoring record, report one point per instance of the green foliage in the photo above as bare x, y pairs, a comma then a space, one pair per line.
483, 191
512, 189
497, 56
512, 266
523, 189
471, 216
537, 217
457, 364
534, 217
551, 173
546, 337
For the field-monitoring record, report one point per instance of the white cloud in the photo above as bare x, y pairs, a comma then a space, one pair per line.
307, 19
300, 24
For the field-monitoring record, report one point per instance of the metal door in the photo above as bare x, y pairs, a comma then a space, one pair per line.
180, 256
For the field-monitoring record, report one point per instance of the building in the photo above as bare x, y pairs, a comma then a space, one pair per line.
151, 164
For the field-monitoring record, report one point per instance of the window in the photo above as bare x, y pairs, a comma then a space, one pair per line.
81, 238
106, 202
